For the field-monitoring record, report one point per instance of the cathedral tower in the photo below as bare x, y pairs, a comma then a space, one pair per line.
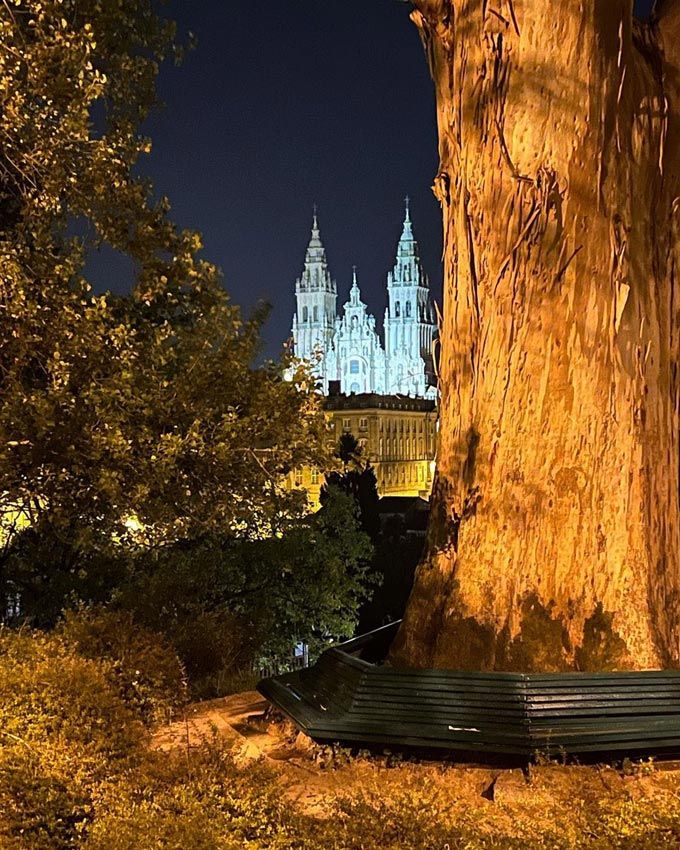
357, 360
316, 297
410, 323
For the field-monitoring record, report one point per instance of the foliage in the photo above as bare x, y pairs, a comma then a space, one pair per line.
224, 602
64, 729
138, 420
76, 773
358, 480
147, 670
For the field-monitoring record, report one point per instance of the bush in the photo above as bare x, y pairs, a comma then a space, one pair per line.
200, 802
64, 729
76, 773
144, 665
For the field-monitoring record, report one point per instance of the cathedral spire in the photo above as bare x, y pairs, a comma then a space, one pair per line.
407, 245
316, 275
315, 250
354, 293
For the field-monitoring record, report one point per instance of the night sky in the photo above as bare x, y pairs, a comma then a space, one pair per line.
287, 103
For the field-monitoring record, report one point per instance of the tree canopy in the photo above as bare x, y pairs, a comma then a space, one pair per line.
144, 445
138, 417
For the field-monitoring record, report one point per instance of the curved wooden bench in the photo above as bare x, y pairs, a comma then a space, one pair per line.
346, 699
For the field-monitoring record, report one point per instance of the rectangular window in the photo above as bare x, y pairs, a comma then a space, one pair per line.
298, 478
363, 423
354, 367
347, 424
315, 476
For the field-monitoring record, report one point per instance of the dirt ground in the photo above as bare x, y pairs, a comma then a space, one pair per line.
312, 774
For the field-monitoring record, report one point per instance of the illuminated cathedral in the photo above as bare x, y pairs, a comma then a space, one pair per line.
347, 348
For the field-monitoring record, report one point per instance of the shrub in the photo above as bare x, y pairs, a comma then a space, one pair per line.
144, 665
198, 801
64, 729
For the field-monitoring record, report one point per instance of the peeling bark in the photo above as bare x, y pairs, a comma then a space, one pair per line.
555, 539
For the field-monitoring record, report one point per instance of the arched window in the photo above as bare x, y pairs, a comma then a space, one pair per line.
316, 313
397, 308
408, 308
305, 314
355, 389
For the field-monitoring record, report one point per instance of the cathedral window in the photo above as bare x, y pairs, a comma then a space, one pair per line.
355, 389
354, 367
397, 308
408, 308
305, 314
316, 313
315, 476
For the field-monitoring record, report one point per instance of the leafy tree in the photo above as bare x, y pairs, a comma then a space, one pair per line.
125, 421
358, 480
349, 452
224, 602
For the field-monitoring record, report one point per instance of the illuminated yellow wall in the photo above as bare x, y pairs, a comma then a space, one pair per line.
398, 437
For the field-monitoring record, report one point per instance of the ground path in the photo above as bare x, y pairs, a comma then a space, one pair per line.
311, 775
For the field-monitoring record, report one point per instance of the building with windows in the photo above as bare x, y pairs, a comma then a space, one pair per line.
398, 437
347, 347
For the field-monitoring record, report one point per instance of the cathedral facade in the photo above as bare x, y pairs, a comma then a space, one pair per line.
347, 349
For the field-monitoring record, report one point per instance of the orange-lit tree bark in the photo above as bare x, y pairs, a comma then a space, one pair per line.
555, 539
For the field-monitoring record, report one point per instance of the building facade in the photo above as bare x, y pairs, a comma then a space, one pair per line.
397, 434
348, 348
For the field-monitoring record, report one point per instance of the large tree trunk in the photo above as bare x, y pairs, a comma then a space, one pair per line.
555, 540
